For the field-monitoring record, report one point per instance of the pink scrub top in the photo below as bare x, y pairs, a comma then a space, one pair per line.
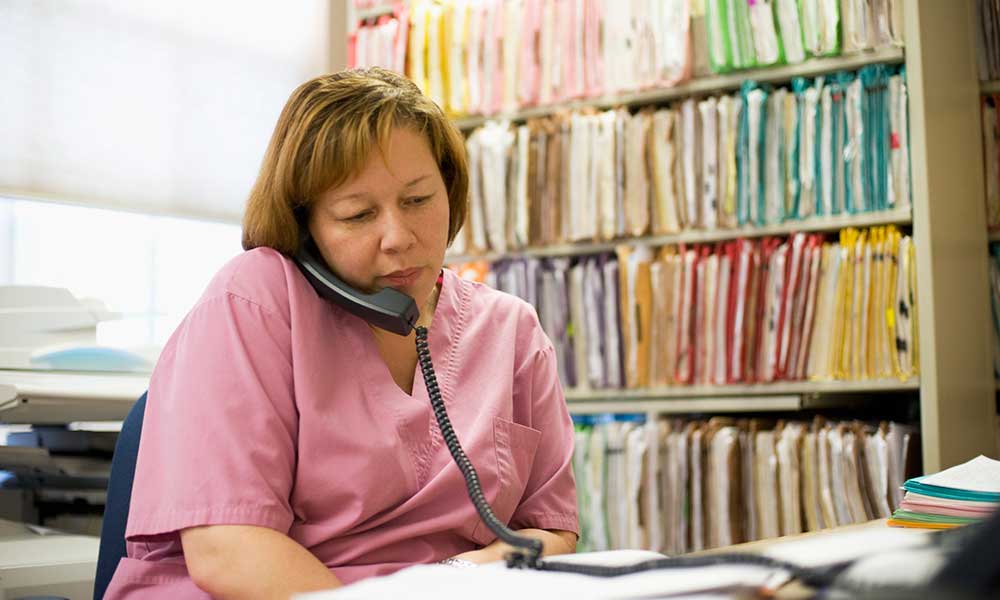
270, 406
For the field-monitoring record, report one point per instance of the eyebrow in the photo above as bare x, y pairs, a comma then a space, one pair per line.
363, 194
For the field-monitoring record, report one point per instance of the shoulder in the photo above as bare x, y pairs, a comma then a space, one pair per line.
262, 276
498, 314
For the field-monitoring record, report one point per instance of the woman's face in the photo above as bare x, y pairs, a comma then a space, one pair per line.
388, 227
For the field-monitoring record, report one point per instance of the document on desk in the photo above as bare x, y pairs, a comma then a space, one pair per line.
495, 581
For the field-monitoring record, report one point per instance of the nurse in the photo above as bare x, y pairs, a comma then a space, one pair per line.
290, 446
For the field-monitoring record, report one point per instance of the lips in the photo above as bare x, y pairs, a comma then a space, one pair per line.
403, 277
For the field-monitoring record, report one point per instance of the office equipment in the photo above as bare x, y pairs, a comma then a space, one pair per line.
40, 562
47, 328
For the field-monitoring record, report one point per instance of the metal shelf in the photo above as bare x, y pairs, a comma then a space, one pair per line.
892, 217
703, 85
771, 397
691, 405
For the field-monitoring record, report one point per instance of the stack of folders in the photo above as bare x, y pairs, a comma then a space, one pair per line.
744, 34
487, 56
735, 312
677, 486
764, 156
988, 39
967, 493
484, 56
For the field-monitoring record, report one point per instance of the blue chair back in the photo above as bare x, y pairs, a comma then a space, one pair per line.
112, 548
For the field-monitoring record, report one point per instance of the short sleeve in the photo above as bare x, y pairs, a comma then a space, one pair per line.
219, 433
549, 500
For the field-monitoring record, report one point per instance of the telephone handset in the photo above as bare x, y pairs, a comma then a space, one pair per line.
397, 312
387, 309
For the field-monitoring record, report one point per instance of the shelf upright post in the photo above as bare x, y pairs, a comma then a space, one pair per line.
956, 380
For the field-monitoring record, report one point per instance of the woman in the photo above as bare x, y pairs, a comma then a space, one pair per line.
290, 446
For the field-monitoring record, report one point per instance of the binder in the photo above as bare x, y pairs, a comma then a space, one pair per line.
767, 43
511, 44
593, 322
774, 172
637, 192
812, 510
580, 336
636, 446
417, 51
651, 507
788, 444
787, 18
529, 67
697, 482
659, 374
605, 165
728, 108
766, 485
582, 474
742, 36
690, 146
613, 347
476, 34
662, 156
899, 190
709, 118
455, 39
718, 35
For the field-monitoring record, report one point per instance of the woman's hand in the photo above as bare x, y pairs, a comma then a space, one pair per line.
555, 541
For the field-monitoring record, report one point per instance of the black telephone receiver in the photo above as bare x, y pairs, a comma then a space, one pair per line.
387, 309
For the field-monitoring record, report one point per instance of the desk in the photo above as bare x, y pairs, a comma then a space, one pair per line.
827, 545
494, 582
58, 397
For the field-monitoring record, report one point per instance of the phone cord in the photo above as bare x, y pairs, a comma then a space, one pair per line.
527, 551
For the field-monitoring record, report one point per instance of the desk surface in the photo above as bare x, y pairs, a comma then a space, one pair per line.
55, 397
876, 525
827, 545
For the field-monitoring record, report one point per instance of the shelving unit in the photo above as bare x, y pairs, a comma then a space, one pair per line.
956, 385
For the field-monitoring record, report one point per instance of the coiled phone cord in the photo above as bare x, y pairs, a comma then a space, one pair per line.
527, 550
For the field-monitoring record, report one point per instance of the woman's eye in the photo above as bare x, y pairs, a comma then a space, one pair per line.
420, 199
361, 216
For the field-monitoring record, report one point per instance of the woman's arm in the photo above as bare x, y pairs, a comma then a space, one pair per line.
554, 541
244, 561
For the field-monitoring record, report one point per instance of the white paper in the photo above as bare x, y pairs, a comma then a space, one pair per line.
981, 474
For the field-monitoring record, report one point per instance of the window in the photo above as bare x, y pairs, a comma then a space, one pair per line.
150, 269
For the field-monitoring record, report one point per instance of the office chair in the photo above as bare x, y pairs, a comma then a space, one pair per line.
112, 547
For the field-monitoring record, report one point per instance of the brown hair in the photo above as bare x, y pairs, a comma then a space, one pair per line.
325, 135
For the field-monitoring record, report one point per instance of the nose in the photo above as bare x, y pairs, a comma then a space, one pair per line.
397, 233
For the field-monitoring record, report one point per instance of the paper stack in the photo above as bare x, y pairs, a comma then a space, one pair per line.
964, 494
